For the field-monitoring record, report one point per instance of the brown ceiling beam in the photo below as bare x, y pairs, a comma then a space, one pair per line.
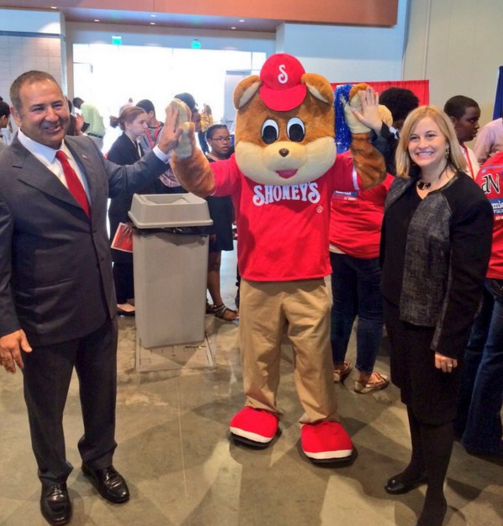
351, 12
346, 12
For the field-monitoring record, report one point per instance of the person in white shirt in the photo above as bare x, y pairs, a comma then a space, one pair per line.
490, 140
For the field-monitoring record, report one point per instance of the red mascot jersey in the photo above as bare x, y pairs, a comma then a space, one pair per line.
283, 230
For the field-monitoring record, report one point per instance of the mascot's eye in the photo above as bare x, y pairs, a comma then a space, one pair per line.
270, 131
296, 129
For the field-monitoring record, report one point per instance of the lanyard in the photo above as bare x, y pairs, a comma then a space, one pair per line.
156, 134
468, 160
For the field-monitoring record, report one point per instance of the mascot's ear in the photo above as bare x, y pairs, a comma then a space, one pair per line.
356, 88
245, 90
319, 87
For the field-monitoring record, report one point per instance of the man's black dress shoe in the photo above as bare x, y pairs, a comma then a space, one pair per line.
55, 504
109, 483
397, 486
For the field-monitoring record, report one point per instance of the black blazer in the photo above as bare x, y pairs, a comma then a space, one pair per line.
55, 264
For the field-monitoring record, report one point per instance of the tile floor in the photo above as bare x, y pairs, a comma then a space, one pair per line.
183, 471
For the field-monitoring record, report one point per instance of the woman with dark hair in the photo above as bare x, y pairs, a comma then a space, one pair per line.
222, 213
435, 248
124, 151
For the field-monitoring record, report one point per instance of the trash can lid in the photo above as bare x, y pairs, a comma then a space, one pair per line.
169, 210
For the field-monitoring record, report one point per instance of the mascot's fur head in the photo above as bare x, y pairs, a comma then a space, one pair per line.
284, 124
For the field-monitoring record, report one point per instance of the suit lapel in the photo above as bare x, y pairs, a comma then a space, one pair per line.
34, 173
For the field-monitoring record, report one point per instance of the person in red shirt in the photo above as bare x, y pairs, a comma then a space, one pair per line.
478, 423
355, 234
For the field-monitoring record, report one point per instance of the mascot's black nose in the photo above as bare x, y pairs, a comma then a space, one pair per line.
284, 152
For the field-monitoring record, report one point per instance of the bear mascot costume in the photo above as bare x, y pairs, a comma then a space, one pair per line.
281, 180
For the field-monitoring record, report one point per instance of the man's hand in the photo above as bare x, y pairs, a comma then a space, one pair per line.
170, 133
10, 350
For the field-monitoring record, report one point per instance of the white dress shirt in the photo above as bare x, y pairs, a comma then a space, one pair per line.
47, 156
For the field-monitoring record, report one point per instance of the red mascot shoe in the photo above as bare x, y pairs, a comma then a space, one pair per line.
325, 442
254, 427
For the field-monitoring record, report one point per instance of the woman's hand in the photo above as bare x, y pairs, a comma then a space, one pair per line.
369, 115
445, 363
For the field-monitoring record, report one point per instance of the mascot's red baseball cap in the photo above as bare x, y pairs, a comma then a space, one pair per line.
281, 89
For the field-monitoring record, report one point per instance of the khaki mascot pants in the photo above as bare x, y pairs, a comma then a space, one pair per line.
302, 310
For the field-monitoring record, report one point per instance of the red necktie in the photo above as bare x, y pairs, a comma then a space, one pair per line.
73, 182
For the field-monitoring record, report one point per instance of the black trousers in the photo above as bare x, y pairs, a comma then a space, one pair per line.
123, 274
47, 374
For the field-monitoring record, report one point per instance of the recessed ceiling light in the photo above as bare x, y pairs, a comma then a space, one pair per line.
152, 23
241, 20
153, 16
233, 27
53, 7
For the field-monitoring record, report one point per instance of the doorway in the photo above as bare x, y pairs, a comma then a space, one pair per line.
108, 75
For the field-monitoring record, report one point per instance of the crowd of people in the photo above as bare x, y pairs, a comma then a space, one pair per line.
420, 254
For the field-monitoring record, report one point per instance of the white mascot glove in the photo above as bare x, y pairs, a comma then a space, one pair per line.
352, 121
183, 121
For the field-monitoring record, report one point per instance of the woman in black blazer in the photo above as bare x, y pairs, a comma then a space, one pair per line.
435, 247
126, 150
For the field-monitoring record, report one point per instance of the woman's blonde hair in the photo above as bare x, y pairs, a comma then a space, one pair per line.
454, 155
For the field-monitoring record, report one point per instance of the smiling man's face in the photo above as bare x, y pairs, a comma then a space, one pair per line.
43, 115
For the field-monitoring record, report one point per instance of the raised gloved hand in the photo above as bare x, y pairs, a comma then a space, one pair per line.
189, 164
186, 141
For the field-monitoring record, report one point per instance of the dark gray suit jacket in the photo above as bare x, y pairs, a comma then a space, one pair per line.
55, 264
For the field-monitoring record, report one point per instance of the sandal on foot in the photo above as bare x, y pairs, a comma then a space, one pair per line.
224, 313
376, 382
210, 309
341, 374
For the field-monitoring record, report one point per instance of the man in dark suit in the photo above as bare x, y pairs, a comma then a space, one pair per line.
57, 300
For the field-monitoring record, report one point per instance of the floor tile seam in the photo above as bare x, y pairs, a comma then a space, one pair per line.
182, 452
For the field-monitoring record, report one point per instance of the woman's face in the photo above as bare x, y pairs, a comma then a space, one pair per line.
139, 126
427, 146
220, 142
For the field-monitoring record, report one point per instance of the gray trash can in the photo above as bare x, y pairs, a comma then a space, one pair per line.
170, 256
